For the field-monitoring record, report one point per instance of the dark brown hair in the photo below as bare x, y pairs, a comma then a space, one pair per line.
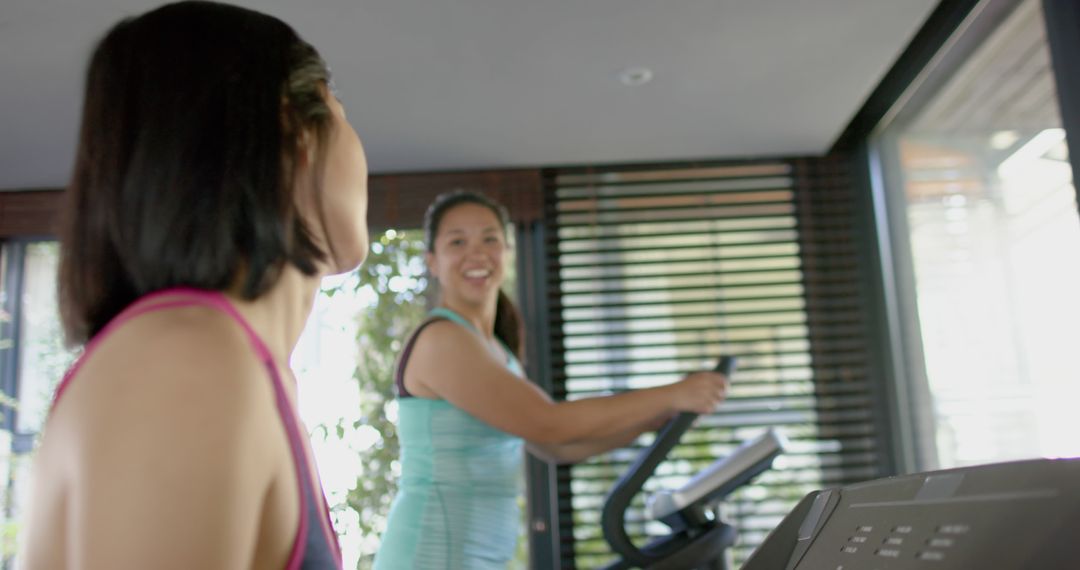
184, 175
508, 324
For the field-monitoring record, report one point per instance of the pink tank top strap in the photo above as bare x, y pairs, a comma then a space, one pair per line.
164, 299
309, 487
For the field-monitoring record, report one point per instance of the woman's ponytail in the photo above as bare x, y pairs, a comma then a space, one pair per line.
508, 327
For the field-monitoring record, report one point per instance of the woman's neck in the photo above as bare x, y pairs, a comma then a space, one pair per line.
481, 316
280, 314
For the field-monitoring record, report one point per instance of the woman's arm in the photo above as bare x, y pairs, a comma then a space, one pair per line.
453, 364
580, 451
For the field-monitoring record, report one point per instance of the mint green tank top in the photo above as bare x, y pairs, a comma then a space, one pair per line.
457, 500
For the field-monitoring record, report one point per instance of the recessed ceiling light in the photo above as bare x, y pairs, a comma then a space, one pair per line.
632, 76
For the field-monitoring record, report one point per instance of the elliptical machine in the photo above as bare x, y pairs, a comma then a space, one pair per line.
697, 539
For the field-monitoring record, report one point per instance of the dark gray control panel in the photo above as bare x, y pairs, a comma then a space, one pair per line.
1006, 516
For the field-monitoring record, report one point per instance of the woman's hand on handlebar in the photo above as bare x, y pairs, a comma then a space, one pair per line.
699, 392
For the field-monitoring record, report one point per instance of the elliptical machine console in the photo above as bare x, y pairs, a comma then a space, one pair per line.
697, 538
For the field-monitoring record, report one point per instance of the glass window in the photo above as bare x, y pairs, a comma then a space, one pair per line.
42, 355
344, 364
991, 214
34, 359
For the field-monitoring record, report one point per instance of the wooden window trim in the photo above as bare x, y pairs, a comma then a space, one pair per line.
395, 200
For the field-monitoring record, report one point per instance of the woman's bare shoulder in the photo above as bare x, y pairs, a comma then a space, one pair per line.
173, 412
445, 339
171, 375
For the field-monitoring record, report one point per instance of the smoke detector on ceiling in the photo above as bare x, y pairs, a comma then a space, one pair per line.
633, 76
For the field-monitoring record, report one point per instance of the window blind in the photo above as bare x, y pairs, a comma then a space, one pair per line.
656, 271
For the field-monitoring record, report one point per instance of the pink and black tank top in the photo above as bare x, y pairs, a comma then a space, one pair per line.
315, 545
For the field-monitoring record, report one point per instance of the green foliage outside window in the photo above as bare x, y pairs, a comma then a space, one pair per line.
394, 275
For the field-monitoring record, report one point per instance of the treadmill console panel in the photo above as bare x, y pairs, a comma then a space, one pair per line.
1004, 516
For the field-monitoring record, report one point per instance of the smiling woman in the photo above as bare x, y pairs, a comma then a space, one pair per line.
467, 411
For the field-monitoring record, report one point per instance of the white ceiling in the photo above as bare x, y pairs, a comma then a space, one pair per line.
458, 84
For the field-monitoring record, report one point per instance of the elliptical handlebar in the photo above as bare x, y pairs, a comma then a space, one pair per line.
613, 518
